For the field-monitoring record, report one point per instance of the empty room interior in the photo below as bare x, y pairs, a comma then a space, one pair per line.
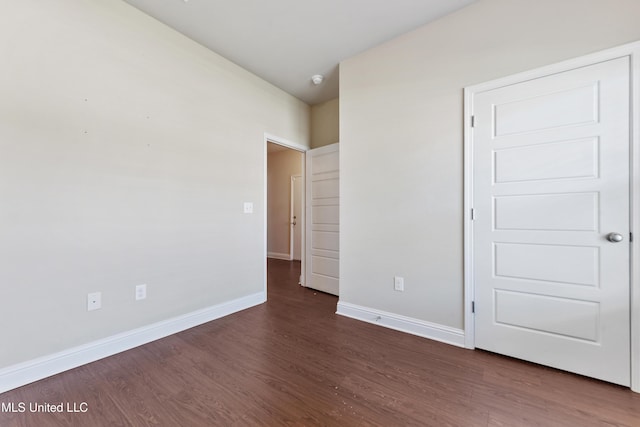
350, 213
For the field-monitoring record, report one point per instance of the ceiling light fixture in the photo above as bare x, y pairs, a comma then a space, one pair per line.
317, 79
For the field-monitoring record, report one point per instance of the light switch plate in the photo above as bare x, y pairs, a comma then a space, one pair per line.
248, 207
141, 292
94, 301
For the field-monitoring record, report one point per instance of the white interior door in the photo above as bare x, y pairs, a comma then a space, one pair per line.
323, 220
550, 183
296, 217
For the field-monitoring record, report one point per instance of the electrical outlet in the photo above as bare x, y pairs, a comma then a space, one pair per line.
94, 301
398, 284
141, 292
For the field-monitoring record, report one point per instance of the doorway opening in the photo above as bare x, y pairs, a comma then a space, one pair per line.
284, 201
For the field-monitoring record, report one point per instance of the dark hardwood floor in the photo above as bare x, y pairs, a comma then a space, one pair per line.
293, 362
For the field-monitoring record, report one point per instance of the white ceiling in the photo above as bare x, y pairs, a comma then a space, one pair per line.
287, 41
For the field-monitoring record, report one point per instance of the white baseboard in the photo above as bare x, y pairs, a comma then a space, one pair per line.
277, 255
433, 331
27, 372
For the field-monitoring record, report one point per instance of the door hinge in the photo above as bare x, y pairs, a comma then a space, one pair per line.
473, 121
630, 237
473, 306
473, 214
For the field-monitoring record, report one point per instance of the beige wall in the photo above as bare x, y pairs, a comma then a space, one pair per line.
127, 152
401, 137
325, 123
281, 166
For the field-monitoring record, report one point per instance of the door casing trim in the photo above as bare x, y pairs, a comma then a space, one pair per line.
630, 50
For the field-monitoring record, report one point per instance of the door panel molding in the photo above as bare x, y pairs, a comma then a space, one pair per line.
632, 51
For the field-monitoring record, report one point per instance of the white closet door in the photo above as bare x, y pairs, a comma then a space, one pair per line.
551, 188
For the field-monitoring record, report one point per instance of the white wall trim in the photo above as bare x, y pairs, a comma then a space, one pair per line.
421, 328
284, 142
33, 370
635, 215
469, 285
277, 255
631, 50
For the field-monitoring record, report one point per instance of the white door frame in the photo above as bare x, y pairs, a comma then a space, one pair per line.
632, 51
302, 149
299, 221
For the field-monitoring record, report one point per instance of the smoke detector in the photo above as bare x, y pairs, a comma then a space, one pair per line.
317, 79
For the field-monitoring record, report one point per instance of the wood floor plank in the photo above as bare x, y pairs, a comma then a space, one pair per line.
294, 362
